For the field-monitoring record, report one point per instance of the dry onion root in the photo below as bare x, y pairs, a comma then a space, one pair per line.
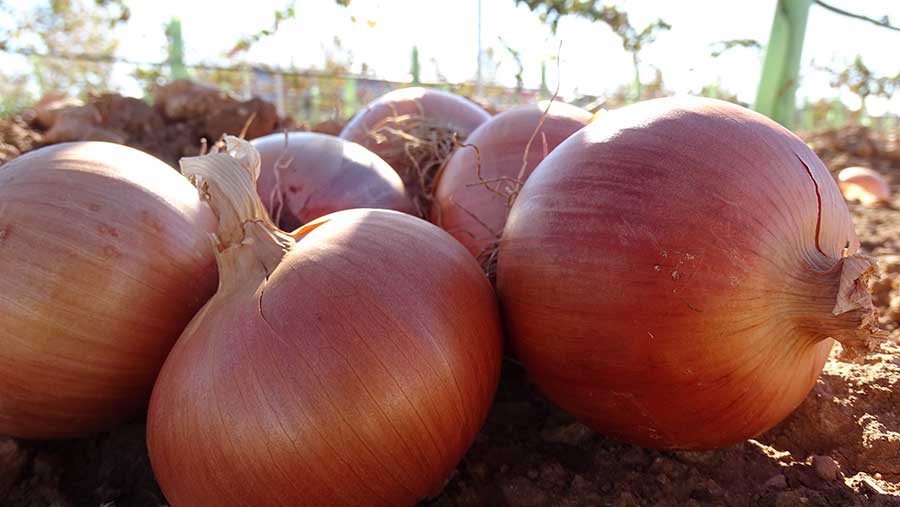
864, 185
305, 175
415, 130
351, 363
674, 273
104, 259
475, 190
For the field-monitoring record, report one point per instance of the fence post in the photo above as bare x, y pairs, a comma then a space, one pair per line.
350, 100
279, 94
315, 96
544, 91
247, 82
414, 66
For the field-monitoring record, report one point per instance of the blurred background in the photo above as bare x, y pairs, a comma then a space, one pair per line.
317, 60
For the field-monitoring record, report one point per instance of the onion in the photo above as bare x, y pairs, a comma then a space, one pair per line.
672, 273
509, 146
415, 130
864, 185
104, 258
353, 367
318, 174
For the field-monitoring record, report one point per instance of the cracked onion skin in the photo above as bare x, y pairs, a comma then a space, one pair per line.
104, 259
668, 275
320, 174
353, 366
475, 213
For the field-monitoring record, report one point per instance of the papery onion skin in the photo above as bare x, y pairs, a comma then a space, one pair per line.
661, 276
320, 174
356, 368
439, 109
473, 211
865, 185
104, 259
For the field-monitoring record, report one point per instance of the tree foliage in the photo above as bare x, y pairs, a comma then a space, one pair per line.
288, 12
633, 39
721, 47
67, 27
859, 80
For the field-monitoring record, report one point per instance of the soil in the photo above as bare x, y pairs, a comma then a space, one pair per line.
183, 116
841, 447
16, 137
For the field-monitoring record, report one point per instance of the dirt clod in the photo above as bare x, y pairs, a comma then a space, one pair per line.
16, 138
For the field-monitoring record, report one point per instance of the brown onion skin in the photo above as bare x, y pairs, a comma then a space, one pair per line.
104, 259
448, 110
659, 274
357, 374
322, 174
475, 213
864, 185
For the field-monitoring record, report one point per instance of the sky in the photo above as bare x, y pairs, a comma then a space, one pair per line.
381, 34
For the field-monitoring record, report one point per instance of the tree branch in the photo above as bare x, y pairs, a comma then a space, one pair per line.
883, 22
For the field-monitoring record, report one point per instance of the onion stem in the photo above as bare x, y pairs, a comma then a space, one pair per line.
248, 243
840, 306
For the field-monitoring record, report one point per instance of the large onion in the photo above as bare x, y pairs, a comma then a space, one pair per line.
672, 273
864, 185
474, 209
318, 174
415, 130
353, 367
104, 258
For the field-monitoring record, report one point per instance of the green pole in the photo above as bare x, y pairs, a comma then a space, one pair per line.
176, 50
414, 67
781, 67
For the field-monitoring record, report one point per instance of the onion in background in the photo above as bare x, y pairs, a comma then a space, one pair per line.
310, 175
415, 130
472, 203
864, 185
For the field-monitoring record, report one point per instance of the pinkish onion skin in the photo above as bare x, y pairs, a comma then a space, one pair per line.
669, 273
446, 110
320, 174
476, 213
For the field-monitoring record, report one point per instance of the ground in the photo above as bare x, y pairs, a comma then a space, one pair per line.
841, 447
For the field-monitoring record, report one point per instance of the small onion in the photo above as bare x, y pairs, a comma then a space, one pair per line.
104, 258
352, 367
474, 210
318, 174
864, 185
415, 130
672, 274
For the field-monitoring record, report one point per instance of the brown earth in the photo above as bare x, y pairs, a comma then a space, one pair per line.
182, 116
841, 447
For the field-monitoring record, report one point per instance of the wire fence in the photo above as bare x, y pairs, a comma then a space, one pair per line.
305, 94
312, 96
